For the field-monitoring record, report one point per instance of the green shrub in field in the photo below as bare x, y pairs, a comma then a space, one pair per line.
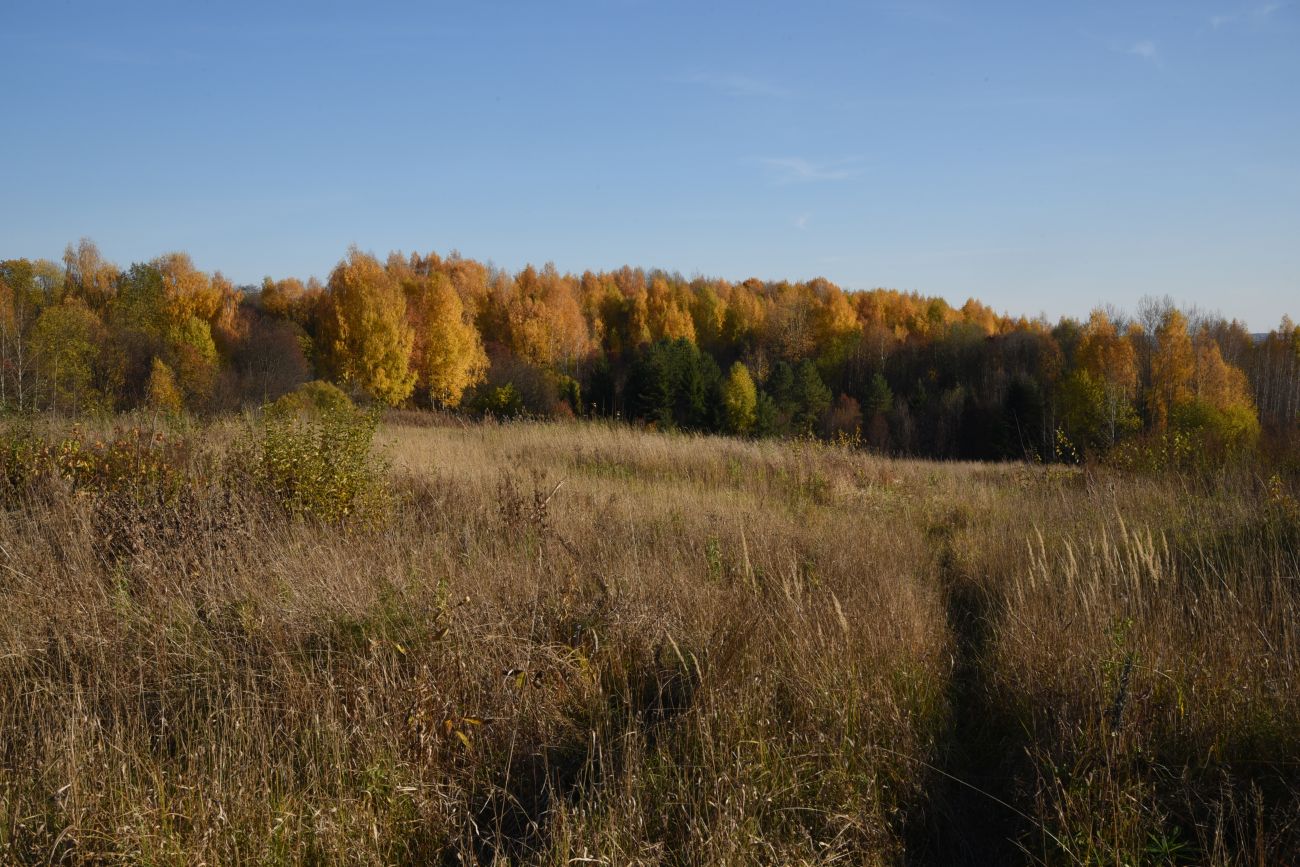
22, 460
314, 455
503, 401
312, 397
1155, 453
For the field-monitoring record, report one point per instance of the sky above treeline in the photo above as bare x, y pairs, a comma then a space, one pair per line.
1042, 157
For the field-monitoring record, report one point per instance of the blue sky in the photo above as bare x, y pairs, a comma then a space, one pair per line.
1043, 157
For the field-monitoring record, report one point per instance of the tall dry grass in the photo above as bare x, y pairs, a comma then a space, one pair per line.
565, 644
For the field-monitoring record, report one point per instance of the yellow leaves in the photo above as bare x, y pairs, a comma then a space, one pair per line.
366, 340
1108, 360
88, 275
67, 342
668, 312
836, 317
1107, 355
279, 296
161, 392
975, 313
543, 319
709, 313
321, 465
1220, 403
460, 728
1172, 367
189, 291
1216, 381
739, 399
447, 355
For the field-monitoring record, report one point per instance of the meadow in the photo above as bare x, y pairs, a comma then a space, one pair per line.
247, 642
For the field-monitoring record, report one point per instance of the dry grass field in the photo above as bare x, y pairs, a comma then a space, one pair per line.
582, 644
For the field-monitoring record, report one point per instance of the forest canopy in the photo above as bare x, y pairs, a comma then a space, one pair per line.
897, 371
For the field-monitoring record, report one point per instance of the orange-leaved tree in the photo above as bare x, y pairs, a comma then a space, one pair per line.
1109, 359
1173, 364
1220, 405
365, 341
447, 353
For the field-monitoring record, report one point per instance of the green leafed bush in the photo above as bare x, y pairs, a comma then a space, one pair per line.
314, 455
318, 397
502, 401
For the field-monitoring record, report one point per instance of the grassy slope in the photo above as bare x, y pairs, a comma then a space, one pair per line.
579, 641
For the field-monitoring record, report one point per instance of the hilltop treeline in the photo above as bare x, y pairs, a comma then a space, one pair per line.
906, 373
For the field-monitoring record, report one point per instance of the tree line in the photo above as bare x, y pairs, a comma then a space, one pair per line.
901, 372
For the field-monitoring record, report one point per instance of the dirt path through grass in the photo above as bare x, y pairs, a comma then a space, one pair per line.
969, 815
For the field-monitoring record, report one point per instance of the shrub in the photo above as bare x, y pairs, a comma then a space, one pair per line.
319, 462
162, 393
21, 451
317, 397
1153, 454
570, 393
131, 463
502, 401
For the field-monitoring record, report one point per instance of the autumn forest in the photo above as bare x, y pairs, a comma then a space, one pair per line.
903, 373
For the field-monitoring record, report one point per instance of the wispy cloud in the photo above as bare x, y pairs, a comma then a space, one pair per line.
1144, 48
790, 170
801, 221
734, 84
1254, 13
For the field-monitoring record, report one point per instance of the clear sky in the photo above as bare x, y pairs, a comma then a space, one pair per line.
1041, 156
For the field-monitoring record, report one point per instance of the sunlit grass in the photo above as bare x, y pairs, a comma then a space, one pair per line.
580, 641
